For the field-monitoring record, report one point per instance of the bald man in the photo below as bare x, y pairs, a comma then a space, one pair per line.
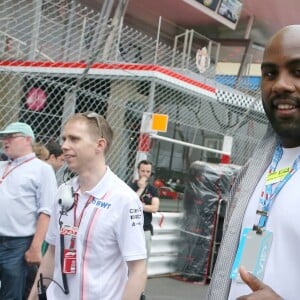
262, 236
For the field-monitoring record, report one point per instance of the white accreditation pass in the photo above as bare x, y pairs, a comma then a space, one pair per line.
252, 253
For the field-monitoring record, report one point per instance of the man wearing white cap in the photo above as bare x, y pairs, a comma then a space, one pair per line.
27, 188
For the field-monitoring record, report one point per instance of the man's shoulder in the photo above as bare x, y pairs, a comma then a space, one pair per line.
42, 170
119, 186
40, 164
153, 190
151, 187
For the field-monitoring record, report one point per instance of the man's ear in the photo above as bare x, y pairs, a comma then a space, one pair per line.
51, 156
101, 145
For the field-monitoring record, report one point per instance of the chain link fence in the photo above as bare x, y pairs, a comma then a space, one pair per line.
59, 57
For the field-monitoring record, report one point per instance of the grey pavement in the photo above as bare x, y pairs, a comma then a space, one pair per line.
167, 288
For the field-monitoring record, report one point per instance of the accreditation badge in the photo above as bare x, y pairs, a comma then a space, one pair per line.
277, 176
252, 253
69, 230
69, 263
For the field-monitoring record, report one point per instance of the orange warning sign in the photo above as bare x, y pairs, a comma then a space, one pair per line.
159, 122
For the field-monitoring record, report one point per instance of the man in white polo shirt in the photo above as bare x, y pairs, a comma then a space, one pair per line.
27, 188
96, 246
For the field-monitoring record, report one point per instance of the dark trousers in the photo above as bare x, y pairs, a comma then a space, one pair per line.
31, 273
13, 268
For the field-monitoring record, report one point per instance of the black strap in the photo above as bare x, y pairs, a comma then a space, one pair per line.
64, 276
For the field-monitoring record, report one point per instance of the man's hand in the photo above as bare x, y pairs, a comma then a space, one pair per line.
33, 255
260, 290
142, 182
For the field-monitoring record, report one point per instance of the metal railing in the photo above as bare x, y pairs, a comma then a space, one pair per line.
111, 67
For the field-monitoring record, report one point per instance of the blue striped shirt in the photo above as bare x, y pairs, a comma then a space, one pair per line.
29, 188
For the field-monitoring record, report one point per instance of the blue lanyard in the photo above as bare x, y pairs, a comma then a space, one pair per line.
267, 199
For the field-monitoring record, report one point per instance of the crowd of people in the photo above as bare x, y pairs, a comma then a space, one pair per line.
97, 229
51, 236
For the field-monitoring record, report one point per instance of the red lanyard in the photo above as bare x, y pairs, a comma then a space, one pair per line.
89, 200
8, 171
77, 222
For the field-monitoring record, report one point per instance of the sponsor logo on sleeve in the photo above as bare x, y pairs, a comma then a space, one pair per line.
135, 216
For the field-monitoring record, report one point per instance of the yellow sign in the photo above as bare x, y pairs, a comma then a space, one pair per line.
159, 122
